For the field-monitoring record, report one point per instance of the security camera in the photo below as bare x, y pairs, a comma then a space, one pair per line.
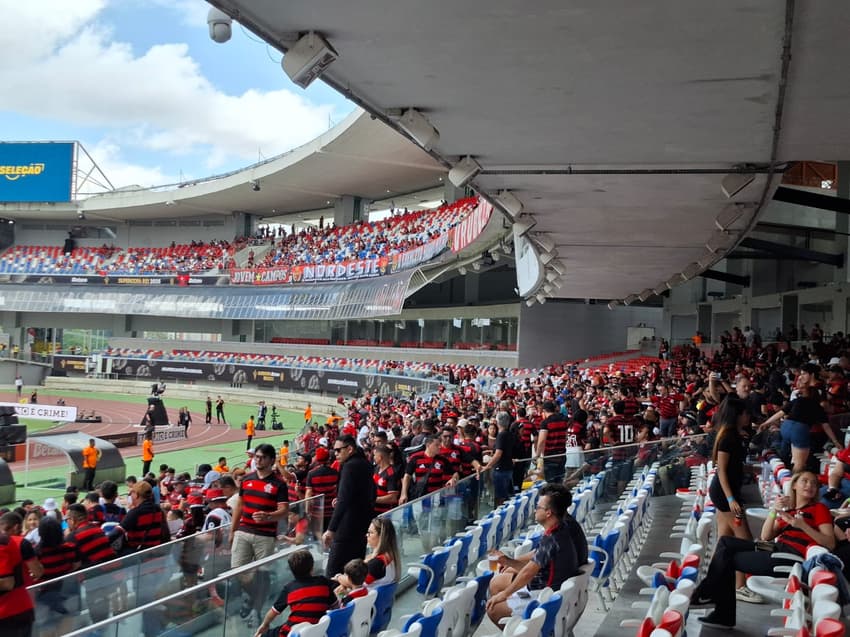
255, 185
81, 215
220, 25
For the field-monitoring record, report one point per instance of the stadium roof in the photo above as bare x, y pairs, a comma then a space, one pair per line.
360, 156
614, 123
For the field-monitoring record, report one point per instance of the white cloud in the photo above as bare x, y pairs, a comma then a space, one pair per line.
67, 68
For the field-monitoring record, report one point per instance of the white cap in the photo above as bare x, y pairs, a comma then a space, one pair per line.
49, 504
833, 361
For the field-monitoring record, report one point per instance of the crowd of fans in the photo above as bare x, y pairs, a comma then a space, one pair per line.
451, 373
367, 239
320, 245
561, 423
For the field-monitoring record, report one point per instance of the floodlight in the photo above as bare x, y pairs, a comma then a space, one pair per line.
660, 289
464, 171
558, 266
546, 257
691, 271
548, 288
419, 128
631, 298
544, 241
522, 225
613, 304
308, 58
734, 183
720, 240
509, 203
552, 276
730, 214
643, 296
495, 254
541, 298
476, 266
462, 270
530, 301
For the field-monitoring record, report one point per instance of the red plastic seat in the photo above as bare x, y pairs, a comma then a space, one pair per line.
828, 628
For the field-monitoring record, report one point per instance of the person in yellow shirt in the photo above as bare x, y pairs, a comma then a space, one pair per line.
222, 467
249, 430
284, 454
147, 454
91, 455
308, 414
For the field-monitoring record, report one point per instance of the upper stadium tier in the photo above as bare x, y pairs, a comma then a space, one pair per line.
359, 250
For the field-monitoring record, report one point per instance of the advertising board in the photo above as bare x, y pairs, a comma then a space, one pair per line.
36, 171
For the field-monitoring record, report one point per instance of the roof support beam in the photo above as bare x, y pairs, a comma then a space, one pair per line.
726, 277
783, 251
812, 199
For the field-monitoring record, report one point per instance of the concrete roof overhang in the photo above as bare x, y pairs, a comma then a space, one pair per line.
614, 123
360, 156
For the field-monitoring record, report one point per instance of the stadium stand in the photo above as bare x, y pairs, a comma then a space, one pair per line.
328, 245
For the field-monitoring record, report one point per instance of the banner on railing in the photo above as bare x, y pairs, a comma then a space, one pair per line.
286, 378
468, 230
419, 254
56, 413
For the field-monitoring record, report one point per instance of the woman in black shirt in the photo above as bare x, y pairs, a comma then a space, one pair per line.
729, 455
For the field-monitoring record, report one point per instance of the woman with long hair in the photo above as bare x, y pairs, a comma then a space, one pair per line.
729, 455
795, 524
384, 559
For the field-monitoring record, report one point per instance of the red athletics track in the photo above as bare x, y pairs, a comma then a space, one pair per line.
119, 417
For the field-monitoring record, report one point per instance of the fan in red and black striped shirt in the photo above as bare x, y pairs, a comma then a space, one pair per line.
322, 480
90, 543
387, 483
426, 467
308, 596
55, 554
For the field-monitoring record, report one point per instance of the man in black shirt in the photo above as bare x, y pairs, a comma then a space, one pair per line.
553, 562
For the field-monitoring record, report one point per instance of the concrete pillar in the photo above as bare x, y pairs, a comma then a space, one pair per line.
348, 209
451, 192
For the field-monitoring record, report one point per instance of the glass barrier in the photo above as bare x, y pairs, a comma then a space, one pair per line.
229, 605
113, 587
432, 519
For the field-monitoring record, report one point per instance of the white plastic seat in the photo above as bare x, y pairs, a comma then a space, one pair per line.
306, 629
361, 618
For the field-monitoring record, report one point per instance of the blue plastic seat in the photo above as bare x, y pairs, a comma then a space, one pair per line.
429, 624
339, 619
479, 610
383, 607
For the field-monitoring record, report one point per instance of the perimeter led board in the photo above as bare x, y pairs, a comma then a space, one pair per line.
36, 172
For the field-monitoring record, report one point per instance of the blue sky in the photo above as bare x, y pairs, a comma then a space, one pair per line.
146, 91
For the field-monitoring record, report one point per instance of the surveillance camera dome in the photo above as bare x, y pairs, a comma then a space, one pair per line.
220, 25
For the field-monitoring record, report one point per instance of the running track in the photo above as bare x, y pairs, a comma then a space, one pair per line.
120, 417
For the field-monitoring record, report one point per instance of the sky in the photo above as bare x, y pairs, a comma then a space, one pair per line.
146, 91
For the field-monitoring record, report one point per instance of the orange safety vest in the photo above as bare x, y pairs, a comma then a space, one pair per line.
147, 450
